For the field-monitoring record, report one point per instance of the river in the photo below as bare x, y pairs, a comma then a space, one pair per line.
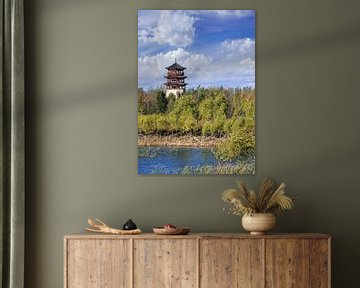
173, 160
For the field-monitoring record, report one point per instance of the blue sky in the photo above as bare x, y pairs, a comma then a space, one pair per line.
216, 46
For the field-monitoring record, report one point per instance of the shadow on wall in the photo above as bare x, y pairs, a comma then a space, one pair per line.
91, 95
335, 213
113, 90
311, 44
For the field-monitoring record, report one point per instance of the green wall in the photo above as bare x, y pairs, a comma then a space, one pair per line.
81, 73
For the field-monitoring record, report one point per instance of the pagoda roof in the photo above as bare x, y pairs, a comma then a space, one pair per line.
175, 84
175, 77
175, 66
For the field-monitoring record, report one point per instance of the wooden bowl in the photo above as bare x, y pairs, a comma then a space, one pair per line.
171, 231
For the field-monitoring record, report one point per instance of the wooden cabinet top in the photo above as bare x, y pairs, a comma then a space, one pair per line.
199, 236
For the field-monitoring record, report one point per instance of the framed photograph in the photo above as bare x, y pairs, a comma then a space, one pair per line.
196, 92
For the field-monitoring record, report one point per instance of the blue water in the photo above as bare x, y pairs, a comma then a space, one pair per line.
169, 160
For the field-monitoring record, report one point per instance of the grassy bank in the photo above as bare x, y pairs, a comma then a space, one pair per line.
179, 140
220, 168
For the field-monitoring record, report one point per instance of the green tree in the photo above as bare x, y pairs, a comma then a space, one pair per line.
145, 124
240, 142
160, 102
183, 115
212, 114
209, 111
146, 102
141, 104
170, 102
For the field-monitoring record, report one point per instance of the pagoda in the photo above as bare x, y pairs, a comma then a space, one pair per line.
175, 83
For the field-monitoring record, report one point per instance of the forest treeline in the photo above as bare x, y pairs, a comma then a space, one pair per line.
215, 112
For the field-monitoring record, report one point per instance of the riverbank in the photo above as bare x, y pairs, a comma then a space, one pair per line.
180, 141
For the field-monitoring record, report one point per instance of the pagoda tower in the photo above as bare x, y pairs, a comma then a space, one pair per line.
175, 83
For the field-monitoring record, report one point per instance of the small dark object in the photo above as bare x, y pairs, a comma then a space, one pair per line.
129, 225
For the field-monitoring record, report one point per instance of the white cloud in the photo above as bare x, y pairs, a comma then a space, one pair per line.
237, 73
175, 28
243, 48
234, 63
231, 64
148, 18
151, 69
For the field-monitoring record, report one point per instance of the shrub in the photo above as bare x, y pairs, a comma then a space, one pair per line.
241, 142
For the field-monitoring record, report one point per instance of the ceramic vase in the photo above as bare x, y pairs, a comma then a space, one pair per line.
259, 223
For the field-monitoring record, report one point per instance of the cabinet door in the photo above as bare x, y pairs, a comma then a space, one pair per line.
288, 263
98, 263
320, 263
231, 263
165, 263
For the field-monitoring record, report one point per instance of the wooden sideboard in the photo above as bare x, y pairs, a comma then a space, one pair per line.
197, 260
